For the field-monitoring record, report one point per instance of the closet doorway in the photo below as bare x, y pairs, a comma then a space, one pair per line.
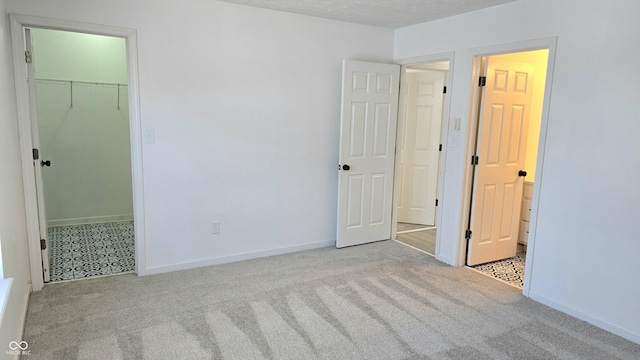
418, 170
81, 132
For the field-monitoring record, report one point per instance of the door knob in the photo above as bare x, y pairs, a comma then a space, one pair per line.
45, 162
522, 173
346, 167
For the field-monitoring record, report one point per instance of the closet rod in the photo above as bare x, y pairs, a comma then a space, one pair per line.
81, 82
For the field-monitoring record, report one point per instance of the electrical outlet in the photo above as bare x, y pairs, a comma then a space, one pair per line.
215, 228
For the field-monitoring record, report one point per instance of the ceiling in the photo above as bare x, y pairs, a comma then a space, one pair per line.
384, 13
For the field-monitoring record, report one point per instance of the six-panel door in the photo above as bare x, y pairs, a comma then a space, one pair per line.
502, 137
367, 149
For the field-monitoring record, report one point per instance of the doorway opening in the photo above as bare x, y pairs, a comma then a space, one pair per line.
422, 103
508, 112
80, 127
31, 169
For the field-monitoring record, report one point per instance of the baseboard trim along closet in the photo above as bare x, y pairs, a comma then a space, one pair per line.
238, 257
90, 220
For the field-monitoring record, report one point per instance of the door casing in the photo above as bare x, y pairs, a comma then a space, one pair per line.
18, 23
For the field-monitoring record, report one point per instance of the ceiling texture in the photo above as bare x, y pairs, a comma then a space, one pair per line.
383, 13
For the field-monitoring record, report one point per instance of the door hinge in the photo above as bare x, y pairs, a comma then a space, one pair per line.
474, 160
43, 244
467, 234
444, 90
27, 57
482, 81
436, 202
36, 154
440, 147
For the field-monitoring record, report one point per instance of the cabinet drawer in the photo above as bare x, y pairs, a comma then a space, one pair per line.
526, 210
524, 232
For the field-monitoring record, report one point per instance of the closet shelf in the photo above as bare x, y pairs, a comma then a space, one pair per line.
73, 82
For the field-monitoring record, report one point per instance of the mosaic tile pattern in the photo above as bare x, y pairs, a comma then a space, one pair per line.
508, 270
81, 251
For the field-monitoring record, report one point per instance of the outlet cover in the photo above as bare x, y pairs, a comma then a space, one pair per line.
215, 228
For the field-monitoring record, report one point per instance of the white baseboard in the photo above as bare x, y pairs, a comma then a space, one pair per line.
13, 315
90, 220
238, 257
603, 324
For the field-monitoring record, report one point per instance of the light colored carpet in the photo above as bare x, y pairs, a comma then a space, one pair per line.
376, 301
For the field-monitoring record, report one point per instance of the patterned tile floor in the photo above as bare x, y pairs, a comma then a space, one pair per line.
508, 270
81, 251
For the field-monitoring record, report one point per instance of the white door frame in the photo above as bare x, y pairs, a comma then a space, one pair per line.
476, 54
446, 109
18, 23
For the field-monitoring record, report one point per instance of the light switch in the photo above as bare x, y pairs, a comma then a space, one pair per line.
454, 124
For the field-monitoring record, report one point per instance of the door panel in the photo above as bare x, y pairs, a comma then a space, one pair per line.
367, 146
420, 149
381, 131
37, 168
502, 138
354, 196
378, 204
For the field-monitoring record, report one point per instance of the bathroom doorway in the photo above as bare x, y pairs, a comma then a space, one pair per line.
507, 136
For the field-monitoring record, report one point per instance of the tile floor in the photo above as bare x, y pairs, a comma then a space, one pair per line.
508, 270
81, 251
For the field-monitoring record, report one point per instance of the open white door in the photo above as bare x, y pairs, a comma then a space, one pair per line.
420, 151
38, 163
502, 142
367, 151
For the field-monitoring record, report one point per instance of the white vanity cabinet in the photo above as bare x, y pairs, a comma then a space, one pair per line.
525, 213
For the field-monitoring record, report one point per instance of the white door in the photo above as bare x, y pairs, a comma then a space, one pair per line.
37, 161
367, 151
502, 142
419, 153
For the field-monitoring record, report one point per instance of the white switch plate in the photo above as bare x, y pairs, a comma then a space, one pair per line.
215, 227
149, 136
454, 124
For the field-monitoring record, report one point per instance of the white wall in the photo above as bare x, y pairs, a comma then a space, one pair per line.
245, 105
80, 57
88, 145
13, 228
585, 255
